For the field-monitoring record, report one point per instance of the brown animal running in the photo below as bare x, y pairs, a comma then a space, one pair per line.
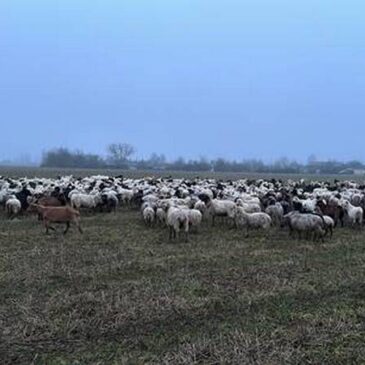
47, 201
64, 214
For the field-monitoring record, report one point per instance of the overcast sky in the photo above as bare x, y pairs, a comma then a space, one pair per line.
237, 79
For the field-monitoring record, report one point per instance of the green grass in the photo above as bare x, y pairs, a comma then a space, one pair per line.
123, 294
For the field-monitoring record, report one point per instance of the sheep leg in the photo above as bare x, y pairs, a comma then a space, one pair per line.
186, 236
170, 233
79, 226
67, 227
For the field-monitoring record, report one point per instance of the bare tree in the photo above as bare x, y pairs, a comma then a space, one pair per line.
120, 153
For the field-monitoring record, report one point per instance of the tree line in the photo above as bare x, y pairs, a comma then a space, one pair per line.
120, 156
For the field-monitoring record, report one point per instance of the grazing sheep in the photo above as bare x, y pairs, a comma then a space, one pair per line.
258, 220
64, 214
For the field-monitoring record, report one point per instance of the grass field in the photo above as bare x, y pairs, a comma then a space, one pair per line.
17, 172
122, 294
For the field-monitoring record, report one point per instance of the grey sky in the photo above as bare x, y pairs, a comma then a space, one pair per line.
237, 79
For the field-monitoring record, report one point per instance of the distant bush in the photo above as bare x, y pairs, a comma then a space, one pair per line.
119, 156
62, 157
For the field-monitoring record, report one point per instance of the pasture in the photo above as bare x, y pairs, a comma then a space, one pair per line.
46, 172
121, 293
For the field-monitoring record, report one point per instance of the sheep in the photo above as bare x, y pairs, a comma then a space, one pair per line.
13, 206
307, 223
85, 201
126, 196
249, 207
111, 201
354, 214
200, 205
161, 216
330, 224
4, 194
195, 217
22, 196
257, 220
219, 208
64, 214
149, 216
177, 219
276, 212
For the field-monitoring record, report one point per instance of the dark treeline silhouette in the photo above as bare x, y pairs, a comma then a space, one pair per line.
120, 156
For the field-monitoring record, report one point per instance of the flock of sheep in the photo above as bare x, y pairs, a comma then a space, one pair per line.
309, 210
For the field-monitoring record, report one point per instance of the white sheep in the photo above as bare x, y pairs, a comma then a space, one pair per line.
249, 207
276, 212
200, 205
13, 207
149, 216
354, 214
195, 217
177, 219
85, 201
161, 216
330, 224
258, 220
219, 208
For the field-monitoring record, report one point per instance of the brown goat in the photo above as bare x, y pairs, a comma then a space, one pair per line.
64, 214
49, 201
334, 211
46, 201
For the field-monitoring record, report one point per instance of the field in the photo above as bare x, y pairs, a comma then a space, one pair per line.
123, 294
17, 172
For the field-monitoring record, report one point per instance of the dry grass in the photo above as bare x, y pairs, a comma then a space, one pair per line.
122, 294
